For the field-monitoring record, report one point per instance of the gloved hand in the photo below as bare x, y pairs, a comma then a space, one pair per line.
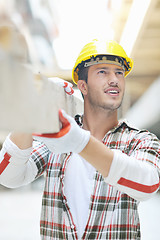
71, 138
67, 85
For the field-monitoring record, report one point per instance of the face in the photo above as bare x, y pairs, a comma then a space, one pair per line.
105, 86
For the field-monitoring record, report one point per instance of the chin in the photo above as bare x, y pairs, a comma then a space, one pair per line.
113, 106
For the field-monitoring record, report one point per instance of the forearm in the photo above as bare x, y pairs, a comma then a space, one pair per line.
22, 140
97, 154
137, 178
16, 167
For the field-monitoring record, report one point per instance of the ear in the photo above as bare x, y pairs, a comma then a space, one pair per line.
82, 86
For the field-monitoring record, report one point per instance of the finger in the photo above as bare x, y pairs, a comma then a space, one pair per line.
67, 84
63, 118
66, 126
68, 88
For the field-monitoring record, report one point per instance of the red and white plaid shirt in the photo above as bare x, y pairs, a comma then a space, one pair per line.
113, 212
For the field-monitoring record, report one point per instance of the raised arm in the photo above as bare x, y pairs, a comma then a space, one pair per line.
138, 177
137, 174
21, 160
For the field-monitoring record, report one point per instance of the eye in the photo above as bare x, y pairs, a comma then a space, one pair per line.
101, 72
121, 73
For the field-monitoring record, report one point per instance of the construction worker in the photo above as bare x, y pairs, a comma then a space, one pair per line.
97, 172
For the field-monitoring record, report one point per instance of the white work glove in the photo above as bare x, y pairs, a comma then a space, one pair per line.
67, 85
71, 138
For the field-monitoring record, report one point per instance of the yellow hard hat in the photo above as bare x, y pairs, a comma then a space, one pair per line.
100, 51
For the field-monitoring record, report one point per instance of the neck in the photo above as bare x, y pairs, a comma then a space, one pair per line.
99, 122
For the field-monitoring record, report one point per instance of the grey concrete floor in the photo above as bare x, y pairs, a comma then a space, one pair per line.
20, 215
149, 212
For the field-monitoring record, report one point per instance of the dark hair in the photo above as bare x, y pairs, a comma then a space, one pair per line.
83, 74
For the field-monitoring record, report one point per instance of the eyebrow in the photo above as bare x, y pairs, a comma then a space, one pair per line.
106, 68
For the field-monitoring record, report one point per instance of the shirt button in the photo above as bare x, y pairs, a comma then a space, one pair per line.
72, 226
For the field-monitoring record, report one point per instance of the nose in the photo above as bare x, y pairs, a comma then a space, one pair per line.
112, 79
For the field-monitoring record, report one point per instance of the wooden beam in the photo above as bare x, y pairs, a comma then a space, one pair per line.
28, 103
31, 105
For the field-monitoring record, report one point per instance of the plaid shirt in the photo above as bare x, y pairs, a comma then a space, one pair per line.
112, 214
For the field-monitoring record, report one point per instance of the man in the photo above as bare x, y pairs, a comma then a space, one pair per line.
96, 173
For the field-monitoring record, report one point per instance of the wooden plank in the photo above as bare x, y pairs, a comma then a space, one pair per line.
28, 104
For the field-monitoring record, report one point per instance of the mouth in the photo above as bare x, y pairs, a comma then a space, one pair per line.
112, 91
